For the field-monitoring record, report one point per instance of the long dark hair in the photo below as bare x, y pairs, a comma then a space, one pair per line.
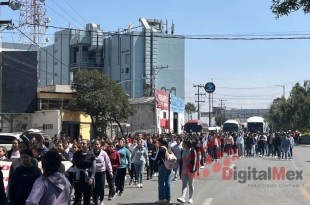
51, 162
163, 142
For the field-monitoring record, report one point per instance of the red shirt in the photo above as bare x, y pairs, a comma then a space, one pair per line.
115, 159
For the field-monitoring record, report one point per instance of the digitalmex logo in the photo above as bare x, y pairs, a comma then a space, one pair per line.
231, 172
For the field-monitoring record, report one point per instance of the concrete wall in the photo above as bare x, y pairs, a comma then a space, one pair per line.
48, 119
171, 53
143, 117
305, 140
16, 122
54, 61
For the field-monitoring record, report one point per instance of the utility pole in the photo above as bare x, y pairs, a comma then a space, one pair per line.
221, 103
199, 101
212, 101
155, 71
283, 86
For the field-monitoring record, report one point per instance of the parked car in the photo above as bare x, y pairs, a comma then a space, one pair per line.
6, 139
39, 135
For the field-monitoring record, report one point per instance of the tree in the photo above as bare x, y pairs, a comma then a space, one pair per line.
285, 7
292, 113
219, 119
299, 104
277, 115
101, 98
190, 108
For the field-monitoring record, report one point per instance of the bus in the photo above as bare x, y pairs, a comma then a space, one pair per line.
257, 124
195, 126
231, 126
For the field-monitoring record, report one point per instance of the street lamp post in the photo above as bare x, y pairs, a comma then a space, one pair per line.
14, 5
283, 86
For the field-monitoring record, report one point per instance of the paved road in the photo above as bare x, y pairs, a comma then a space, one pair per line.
216, 188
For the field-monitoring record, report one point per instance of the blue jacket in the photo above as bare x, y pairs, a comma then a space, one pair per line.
125, 157
286, 143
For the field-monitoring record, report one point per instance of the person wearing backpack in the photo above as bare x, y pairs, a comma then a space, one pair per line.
164, 174
187, 170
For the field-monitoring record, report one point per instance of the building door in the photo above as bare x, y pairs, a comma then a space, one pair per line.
175, 123
71, 129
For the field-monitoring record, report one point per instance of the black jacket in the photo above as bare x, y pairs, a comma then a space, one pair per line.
159, 158
3, 200
22, 182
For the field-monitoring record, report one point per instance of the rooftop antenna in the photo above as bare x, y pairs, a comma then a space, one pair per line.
130, 26
32, 19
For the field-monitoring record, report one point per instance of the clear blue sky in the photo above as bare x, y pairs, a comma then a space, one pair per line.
231, 64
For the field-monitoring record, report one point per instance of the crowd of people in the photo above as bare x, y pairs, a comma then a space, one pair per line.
279, 145
99, 161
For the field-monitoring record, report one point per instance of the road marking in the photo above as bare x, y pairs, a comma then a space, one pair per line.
295, 165
207, 201
304, 192
231, 167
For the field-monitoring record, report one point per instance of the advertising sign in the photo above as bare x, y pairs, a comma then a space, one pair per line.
177, 104
162, 99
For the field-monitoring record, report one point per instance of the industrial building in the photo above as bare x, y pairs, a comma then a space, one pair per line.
141, 59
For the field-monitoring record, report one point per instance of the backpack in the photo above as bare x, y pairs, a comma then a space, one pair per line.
170, 160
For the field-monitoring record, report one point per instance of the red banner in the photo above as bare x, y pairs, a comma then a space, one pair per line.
162, 99
164, 123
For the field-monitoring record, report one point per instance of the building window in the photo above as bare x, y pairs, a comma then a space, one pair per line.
164, 115
127, 70
84, 54
53, 104
127, 58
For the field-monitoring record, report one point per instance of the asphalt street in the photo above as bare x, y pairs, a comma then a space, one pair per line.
268, 181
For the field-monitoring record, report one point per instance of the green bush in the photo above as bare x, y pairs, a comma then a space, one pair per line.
306, 133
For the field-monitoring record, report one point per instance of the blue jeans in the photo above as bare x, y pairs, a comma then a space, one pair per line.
286, 152
164, 183
270, 149
139, 172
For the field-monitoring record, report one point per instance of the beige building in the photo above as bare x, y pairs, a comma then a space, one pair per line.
54, 100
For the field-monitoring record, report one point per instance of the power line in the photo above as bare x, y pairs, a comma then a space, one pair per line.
245, 37
241, 96
67, 13
43, 50
75, 11
59, 15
